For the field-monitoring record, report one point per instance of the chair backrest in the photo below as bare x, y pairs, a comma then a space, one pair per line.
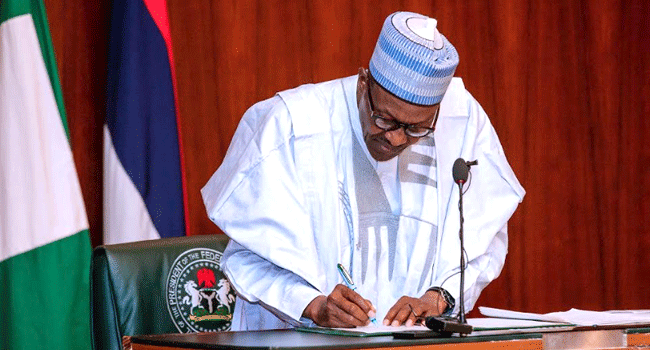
172, 285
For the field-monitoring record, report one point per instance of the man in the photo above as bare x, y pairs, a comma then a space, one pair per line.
351, 171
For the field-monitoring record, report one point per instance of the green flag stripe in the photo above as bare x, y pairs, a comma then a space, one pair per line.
12, 8
45, 303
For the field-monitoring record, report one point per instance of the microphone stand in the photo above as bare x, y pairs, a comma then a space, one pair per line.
461, 307
445, 326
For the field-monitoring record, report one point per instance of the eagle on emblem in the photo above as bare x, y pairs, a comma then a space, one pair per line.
208, 303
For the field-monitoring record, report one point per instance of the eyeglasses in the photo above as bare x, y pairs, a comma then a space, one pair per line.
392, 124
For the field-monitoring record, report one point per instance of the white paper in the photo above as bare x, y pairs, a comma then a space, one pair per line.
509, 323
575, 316
370, 329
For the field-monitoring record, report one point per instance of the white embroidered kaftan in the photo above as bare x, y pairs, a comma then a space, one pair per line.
298, 193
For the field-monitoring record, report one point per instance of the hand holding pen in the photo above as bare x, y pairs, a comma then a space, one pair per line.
348, 282
342, 308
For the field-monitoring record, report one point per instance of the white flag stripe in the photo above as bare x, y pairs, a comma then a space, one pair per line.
126, 218
40, 195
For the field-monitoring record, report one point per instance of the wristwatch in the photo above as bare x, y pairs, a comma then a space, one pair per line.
451, 302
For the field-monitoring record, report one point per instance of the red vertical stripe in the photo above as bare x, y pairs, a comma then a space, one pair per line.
158, 11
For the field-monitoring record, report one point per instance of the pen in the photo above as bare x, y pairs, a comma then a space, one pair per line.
348, 282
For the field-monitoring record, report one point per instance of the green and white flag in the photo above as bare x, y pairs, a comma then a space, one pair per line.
44, 243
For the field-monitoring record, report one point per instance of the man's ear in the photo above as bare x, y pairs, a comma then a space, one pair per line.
362, 83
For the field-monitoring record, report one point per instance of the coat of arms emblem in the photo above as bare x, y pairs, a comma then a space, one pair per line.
199, 296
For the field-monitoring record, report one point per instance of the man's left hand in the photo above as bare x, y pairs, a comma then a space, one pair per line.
408, 310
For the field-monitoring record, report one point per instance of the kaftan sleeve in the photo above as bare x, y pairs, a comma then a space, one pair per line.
259, 281
490, 197
254, 197
480, 271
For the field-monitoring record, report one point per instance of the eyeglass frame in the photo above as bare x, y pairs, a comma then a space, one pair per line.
397, 124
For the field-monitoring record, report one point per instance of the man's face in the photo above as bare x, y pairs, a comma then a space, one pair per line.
384, 145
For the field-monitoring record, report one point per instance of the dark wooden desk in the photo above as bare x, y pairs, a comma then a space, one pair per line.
290, 340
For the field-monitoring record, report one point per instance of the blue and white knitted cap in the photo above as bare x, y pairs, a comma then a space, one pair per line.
412, 59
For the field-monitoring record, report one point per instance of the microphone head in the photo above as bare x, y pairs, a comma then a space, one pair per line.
460, 171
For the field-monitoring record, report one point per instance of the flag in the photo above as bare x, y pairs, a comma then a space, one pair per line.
144, 196
44, 242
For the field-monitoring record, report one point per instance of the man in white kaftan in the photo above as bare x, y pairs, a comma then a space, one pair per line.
301, 190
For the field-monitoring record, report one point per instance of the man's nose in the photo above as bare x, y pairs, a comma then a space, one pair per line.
396, 137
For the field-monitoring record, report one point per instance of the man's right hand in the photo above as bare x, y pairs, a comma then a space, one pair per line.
342, 308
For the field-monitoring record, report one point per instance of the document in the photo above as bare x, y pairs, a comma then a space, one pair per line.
576, 316
364, 331
493, 323
503, 325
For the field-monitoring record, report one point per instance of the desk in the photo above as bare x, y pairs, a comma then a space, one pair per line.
618, 338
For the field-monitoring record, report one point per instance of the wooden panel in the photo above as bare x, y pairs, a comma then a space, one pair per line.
80, 38
566, 85
638, 340
583, 138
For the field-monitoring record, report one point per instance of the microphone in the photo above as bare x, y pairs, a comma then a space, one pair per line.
460, 173
460, 170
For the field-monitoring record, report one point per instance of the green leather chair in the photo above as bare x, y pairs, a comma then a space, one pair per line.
172, 285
